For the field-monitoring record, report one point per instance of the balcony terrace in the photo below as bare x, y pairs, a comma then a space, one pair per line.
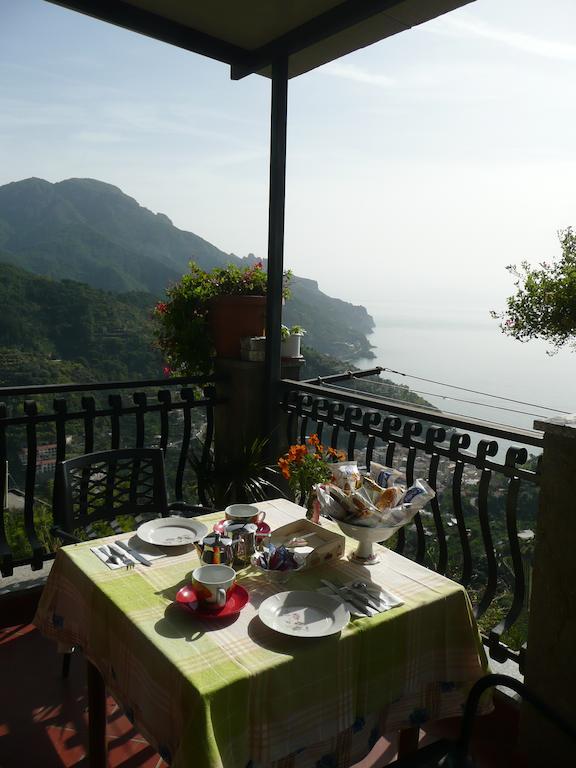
487, 486
486, 476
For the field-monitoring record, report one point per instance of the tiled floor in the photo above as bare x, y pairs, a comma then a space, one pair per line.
43, 718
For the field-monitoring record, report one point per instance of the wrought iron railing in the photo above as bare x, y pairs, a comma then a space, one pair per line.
37, 430
479, 529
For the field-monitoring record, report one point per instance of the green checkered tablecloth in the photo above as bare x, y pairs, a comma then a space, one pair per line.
239, 695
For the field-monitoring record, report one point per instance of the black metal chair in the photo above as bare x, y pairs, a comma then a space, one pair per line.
99, 488
446, 753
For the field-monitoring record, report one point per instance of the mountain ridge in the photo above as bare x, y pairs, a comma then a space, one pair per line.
92, 232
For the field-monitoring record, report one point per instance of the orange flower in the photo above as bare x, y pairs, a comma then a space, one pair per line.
296, 453
314, 440
284, 467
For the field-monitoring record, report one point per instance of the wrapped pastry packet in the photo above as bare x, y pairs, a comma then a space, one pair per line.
418, 494
372, 506
329, 500
335, 503
386, 476
364, 504
382, 498
395, 517
346, 475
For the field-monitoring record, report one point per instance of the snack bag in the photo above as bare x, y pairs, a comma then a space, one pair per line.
359, 506
396, 517
382, 498
418, 494
329, 500
354, 508
346, 475
390, 498
386, 476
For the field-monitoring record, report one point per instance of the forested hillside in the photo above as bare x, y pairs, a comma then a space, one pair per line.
56, 331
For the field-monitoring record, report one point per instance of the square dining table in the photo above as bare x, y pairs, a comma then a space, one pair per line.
233, 693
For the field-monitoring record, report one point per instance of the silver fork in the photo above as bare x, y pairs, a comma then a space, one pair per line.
344, 593
125, 560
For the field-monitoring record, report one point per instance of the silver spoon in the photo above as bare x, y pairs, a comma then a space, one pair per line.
111, 558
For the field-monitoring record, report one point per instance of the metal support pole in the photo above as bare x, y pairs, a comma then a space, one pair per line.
272, 370
97, 750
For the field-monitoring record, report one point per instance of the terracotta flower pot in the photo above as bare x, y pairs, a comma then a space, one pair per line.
230, 318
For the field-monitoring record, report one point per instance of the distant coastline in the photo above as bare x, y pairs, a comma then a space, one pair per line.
466, 348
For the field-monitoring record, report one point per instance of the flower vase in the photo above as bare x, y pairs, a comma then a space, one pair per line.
313, 508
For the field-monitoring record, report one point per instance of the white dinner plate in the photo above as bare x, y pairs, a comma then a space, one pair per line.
304, 614
172, 531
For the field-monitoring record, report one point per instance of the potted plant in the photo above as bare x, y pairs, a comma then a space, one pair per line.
206, 313
247, 479
291, 340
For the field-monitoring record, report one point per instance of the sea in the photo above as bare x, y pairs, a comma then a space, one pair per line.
430, 347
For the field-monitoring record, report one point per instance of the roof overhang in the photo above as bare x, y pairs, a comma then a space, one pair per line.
250, 35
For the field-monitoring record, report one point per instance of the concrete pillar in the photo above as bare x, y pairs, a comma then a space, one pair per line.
241, 419
551, 649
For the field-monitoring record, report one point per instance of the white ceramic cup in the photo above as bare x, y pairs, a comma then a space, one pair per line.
212, 585
244, 513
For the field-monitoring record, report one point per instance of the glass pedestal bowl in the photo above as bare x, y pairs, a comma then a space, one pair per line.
366, 538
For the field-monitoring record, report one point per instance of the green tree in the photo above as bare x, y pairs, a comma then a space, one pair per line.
544, 305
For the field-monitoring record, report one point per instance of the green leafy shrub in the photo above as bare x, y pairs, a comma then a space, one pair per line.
182, 329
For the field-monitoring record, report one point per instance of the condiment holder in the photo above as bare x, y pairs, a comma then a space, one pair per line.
277, 563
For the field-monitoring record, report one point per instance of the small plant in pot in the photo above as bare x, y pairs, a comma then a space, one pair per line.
249, 478
291, 340
206, 313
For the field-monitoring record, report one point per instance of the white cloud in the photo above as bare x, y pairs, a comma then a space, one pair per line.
550, 49
357, 74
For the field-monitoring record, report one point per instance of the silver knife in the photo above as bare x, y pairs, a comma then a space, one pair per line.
133, 552
347, 598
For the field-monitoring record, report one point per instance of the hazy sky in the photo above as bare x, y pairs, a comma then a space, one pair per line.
417, 168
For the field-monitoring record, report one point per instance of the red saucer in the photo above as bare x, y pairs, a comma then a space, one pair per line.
237, 599
263, 528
